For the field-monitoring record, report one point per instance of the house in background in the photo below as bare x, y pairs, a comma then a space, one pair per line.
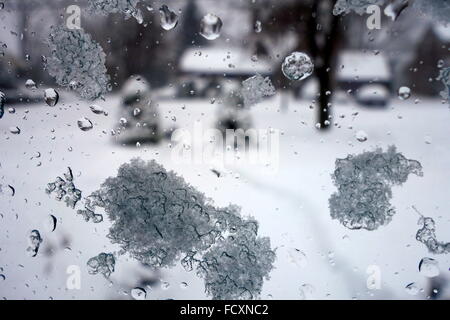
422, 72
210, 71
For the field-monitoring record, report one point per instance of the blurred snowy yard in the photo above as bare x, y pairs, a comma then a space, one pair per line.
290, 205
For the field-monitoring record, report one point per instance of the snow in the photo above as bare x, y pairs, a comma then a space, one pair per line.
290, 205
363, 66
222, 60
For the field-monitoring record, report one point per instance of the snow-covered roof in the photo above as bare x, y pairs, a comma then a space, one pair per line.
221, 60
360, 66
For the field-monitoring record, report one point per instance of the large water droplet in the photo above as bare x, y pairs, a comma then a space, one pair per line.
297, 66
138, 293
404, 93
85, 124
429, 267
297, 257
169, 19
210, 26
51, 97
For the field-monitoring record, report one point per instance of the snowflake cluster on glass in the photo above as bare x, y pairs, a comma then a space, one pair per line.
77, 62
106, 7
444, 76
438, 10
364, 184
103, 263
427, 235
358, 6
255, 89
64, 188
159, 219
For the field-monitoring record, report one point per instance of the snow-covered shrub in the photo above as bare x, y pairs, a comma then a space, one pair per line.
77, 62
364, 184
427, 235
103, 263
159, 219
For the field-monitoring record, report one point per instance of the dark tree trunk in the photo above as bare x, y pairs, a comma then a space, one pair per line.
323, 37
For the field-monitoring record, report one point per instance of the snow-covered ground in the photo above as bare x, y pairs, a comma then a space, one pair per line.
291, 204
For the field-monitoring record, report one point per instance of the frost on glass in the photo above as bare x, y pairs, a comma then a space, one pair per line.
358, 6
256, 88
77, 59
438, 10
106, 7
445, 78
364, 184
159, 219
101, 264
427, 235
64, 189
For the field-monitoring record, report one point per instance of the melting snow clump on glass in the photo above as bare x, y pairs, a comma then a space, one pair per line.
103, 263
358, 6
427, 235
64, 188
159, 219
364, 184
34, 240
445, 78
105, 7
254, 89
76, 58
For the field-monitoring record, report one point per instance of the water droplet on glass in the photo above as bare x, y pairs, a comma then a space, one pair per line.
361, 136
34, 241
258, 26
136, 112
30, 84
210, 26
14, 130
85, 124
297, 257
138, 293
183, 285
97, 109
123, 121
297, 66
169, 19
2, 104
404, 93
412, 289
50, 223
165, 285
51, 97
429, 267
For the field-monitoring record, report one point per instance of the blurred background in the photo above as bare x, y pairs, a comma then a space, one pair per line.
182, 78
